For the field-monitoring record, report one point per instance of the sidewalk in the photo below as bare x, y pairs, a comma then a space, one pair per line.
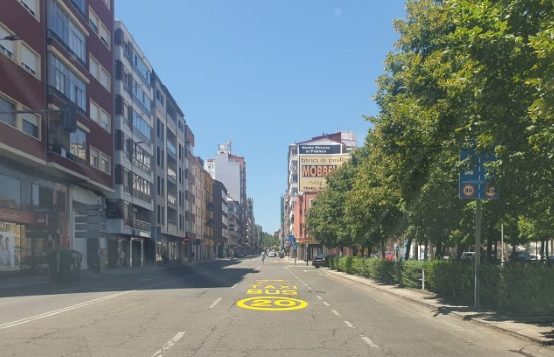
539, 329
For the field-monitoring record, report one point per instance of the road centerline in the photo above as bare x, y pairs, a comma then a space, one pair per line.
169, 344
217, 301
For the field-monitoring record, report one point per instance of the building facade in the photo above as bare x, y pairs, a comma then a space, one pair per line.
130, 206
56, 68
170, 182
309, 163
230, 169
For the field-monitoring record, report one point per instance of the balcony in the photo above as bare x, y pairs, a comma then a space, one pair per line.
142, 196
142, 225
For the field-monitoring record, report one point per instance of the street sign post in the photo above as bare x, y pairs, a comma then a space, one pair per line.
475, 184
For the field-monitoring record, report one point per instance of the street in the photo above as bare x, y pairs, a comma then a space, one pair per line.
215, 309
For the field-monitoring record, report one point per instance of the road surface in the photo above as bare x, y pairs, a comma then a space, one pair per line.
234, 308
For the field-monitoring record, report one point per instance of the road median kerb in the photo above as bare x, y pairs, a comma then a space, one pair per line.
390, 289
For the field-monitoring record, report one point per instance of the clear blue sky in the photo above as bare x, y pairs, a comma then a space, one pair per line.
266, 73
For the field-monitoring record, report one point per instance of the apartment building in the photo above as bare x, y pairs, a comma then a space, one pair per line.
309, 163
57, 98
220, 219
169, 176
230, 169
130, 206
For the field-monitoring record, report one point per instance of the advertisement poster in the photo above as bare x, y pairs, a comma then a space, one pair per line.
314, 170
7, 252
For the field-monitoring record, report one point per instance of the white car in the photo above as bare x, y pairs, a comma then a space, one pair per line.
272, 254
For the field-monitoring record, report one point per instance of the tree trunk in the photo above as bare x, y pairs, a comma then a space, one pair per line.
489, 248
383, 249
425, 250
547, 246
542, 249
513, 250
408, 248
439, 252
495, 250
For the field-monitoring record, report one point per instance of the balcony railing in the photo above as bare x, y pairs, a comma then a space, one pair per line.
142, 196
142, 225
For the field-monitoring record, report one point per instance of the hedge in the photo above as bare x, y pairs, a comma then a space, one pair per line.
513, 288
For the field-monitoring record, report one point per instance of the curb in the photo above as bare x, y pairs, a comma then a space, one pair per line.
428, 305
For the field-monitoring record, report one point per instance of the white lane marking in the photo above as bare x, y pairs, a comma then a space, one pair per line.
169, 344
349, 324
63, 309
217, 301
234, 286
335, 312
326, 303
309, 288
319, 297
368, 341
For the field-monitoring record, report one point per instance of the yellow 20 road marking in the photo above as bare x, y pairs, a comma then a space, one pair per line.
272, 303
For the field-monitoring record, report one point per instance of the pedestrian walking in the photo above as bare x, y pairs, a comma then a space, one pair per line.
263, 257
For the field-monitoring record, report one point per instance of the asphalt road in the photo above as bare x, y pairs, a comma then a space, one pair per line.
234, 308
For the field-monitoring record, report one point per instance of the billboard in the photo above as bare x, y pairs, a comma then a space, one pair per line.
314, 169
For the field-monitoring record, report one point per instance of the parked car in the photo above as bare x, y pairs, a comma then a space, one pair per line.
320, 260
468, 256
272, 254
521, 257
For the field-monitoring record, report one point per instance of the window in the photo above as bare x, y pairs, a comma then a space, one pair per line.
79, 4
7, 47
93, 20
20, 53
99, 28
78, 144
28, 123
60, 24
7, 106
10, 192
105, 164
141, 68
100, 116
31, 6
159, 185
94, 158
66, 82
107, 3
100, 73
29, 60
141, 126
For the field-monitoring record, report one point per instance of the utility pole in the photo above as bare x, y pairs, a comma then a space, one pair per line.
502, 243
477, 288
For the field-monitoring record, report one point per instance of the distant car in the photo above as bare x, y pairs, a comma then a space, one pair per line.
550, 259
272, 254
521, 257
468, 256
320, 260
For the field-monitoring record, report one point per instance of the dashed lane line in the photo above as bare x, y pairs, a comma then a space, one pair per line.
169, 344
368, 341
326, 303
319, 297
335, 312
349, 324
234, 286
217, 301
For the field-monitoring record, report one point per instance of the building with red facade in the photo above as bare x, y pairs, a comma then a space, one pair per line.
56, 136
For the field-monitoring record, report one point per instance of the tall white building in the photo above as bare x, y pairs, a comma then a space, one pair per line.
230, 170
130, 206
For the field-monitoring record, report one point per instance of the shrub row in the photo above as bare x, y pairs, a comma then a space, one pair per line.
514, 288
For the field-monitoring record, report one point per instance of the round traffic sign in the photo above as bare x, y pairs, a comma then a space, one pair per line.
490, 191
468, 190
